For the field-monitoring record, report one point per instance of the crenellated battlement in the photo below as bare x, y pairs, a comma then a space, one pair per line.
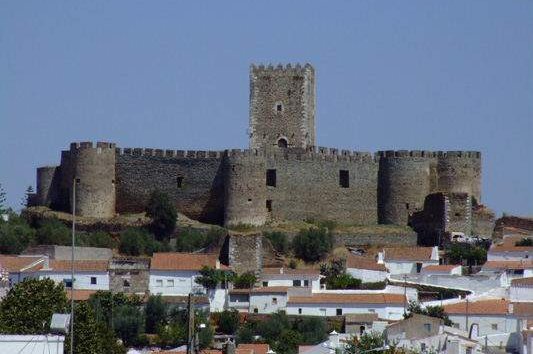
280, 68
81, 145
428, 154
150, 152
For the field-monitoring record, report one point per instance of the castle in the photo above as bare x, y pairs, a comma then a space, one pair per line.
283, 175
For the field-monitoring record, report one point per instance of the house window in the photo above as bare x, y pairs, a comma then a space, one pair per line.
93, 280
271, 178
265, 284
279, 107
282, 143
407, 206
68, 283
170, 283
256, 310
418, 267
296, 283
427, 327
299, 311
269, 205
179, 181
159, 283
518, 272
306, 282
494, 326
274, 301
344, 178
362, 330
126, 283
338, 312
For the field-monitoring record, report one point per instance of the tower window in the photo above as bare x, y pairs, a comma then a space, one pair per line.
271, 178
279, 107
344, 178
282, 143
269, 205
179, 181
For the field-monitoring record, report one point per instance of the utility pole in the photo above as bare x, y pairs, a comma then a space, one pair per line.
190, 335
467, 315
404, 294
74, 182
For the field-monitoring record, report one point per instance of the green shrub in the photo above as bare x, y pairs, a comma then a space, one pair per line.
313, 244
136, 242
128, 322
278, 240
343, 281
53, 232
313, 330
163, 213
155, 313
471, 254
96, 239
190, 240
15, 235
245, 280
378, 285
228, 322
528, 242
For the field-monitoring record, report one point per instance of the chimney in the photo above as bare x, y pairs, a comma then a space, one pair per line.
510, 308
281, 270
334, 339
381, 256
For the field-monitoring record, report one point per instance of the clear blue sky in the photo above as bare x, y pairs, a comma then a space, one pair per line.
442, 75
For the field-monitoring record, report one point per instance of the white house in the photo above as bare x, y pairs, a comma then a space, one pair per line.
387, 306
174, 274
507, 250
408, 260
496, 319
88, 275
509, 270
290, 278
521, 290
31, 343
442, 269
365, 268
259, 300
14, 269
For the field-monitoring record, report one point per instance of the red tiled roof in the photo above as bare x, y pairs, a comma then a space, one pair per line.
98, 266
440, 267
183, 261
290, 271
523, 309
522, 282
262, 290
362, 262
481, 307
524, 264
408, 253
80, 295
18, 264
508, 244
255, 348
339, 298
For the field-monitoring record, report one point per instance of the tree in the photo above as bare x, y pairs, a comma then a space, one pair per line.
367, 341
86, 331
472, 254
278, 240
190, 240
53, 232
245, 280
128, 323
312, 244
525, 242
210, 277
105, 304
25, 202
3, 208
136, 242
343, 281
28, 306
155, 313
96, 239
245, 334
432, 311
288, 342
15, 235
312, 329
163, 213
228, 322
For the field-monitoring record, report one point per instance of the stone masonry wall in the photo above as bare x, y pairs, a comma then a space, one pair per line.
194, 179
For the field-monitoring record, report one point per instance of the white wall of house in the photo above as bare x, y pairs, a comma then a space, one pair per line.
521, 293
90, 280
279, 280
267, 303
27, 344
509, 255
505, 328
217, 299
367, 275
385, 311
173, 282
455, 271
407, 267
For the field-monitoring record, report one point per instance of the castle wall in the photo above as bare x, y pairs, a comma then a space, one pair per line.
47, 185
308, 186
404, 182
460, 172
194, 179
282, 106
94, 168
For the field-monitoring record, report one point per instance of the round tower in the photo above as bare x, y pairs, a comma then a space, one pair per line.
94, 171
245, 188
460, 172
46, 185
403, 184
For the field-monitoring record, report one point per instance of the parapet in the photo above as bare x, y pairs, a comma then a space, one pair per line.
150, 152
89, 145
427, 154
296, 68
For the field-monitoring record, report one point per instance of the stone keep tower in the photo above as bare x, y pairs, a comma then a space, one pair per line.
282, 106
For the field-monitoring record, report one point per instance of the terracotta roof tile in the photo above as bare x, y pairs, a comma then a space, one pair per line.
481, 307
440, 267
18, 264
255, 348
523, 309
508, 245
262, 290
339, 298
408, 253
183, 261
522, 282
362, 262
290, 271
361, 317
524, 264
98, 266
80, 295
